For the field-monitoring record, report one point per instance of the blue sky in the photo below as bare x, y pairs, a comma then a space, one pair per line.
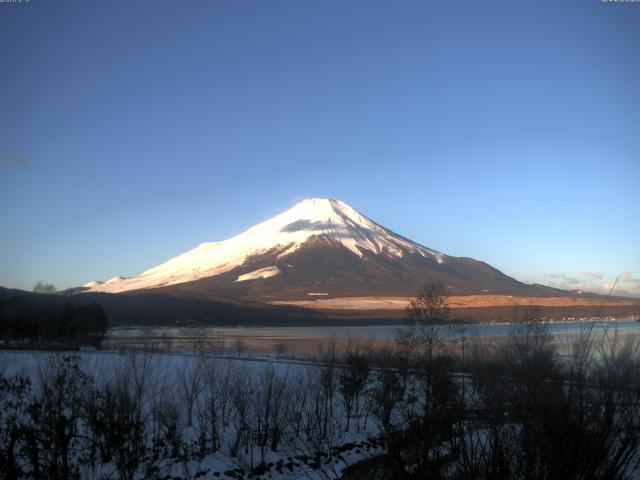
504, 131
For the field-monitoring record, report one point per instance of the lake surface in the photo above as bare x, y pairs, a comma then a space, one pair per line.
309, 340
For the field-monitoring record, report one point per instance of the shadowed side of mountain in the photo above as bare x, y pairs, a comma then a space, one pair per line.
321, 266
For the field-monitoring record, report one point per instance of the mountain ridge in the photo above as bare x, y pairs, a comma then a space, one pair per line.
319, 246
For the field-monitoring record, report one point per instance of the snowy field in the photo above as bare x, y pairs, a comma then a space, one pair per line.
192, 416
176, 416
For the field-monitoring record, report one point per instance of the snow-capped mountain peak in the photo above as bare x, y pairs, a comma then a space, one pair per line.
332, 220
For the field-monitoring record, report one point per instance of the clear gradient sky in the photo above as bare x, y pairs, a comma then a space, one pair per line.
131, 131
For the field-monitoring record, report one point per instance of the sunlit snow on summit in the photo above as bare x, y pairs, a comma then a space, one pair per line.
283, 234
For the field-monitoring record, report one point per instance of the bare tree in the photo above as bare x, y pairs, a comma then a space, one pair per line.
19, 449
431, 305
198, 339
241, 400
190, 385
422, 333
240, 346
63, 385
280, 348
270, 410
300, 394
214, 404
47, 288
217, 342
352, 380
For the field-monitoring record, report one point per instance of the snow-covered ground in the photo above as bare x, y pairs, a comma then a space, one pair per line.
233, 409
183, 416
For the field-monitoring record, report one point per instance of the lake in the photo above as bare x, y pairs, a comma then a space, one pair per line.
309, 340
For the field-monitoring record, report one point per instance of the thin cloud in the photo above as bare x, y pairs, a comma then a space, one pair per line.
594, 275
561, 277
625, 284
627, 277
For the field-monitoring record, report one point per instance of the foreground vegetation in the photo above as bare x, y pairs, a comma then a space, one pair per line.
521, 411
527, 408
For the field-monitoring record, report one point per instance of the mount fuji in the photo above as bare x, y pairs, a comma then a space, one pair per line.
317, 248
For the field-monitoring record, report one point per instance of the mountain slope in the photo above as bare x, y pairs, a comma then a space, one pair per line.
318, 247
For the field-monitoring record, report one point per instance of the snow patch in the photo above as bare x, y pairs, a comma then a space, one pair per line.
258, 274
115, 279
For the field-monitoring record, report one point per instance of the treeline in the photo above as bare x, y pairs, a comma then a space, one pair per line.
50, 322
